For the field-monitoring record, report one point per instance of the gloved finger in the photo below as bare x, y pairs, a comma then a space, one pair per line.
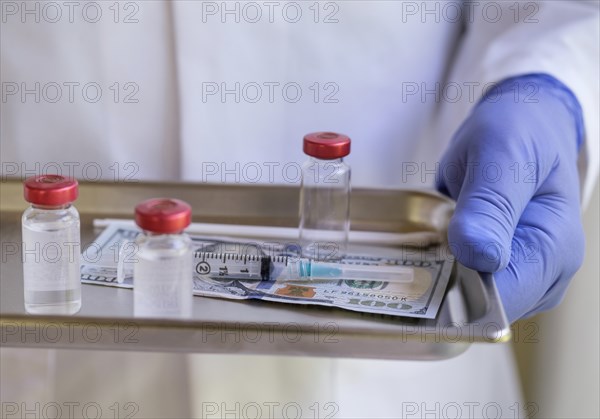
490, 200
547, 250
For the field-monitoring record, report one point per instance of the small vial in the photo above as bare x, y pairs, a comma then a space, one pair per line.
325, 197
51, 246
163, 268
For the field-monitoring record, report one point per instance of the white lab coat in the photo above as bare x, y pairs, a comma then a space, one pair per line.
365, 68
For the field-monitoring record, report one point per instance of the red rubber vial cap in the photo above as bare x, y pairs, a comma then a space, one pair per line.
163, 215
50, 190
326, 145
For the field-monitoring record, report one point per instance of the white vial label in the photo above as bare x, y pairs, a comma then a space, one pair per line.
51, 258
162, 287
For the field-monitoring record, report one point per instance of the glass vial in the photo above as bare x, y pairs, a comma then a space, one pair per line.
163, 268
51, 246
325, 197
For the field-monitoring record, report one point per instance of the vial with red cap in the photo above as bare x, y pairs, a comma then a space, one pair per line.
163, 267
325, 196
51, 246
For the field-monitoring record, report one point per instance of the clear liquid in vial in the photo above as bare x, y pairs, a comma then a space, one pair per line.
51, 266
163, 283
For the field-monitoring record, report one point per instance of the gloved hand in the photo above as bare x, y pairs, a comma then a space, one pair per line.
512, 168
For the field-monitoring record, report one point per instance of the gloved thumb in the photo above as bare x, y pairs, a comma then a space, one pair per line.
490, 200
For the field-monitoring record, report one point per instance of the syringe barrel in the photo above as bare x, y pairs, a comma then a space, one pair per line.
302, 269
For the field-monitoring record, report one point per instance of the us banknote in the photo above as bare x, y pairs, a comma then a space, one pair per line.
419, 298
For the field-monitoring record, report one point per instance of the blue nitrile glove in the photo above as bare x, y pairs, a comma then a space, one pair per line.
512, 168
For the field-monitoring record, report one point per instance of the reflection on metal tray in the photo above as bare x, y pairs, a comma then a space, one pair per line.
471, 311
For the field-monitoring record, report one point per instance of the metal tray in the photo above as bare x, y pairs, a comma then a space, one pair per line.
471, 311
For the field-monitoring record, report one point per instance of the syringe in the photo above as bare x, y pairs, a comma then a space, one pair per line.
284, 268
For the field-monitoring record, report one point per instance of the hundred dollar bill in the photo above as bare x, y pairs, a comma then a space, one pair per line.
419, 298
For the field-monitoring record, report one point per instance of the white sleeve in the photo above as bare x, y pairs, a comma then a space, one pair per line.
560, 38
